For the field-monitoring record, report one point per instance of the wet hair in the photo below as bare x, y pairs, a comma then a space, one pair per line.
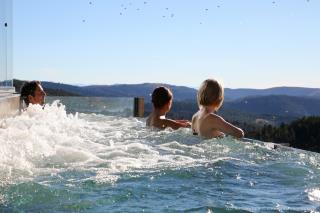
28, 88
210, 93
161, 96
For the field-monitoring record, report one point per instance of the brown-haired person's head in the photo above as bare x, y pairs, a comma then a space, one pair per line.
162, 97
32, 92
210, 93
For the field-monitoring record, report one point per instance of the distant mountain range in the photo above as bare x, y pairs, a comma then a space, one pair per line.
233, 94
180, 92
284, 105
117, 90
284, 102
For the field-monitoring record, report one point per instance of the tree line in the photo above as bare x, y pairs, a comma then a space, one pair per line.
303, 133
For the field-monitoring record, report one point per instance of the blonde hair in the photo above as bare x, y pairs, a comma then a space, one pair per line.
210, 93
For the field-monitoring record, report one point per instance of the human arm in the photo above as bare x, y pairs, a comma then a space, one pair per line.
175, 124
227, 128
184, 122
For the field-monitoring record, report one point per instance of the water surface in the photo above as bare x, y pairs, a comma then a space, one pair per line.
55, 161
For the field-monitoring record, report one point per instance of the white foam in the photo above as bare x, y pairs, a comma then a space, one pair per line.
314, 194
48, 141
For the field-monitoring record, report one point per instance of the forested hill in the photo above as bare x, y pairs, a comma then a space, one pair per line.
117, 90
233, 94
291, 106
302, 133
296, 102
180, 92
53, 89
142, 90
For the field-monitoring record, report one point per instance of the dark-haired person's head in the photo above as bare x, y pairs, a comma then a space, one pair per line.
32, 92
162, 97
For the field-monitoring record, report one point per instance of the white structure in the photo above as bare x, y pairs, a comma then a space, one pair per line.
6, 47
9, 102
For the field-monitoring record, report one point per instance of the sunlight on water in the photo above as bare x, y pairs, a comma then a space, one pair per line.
314, 194
61, 155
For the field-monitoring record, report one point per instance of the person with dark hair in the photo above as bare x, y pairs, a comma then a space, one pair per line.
162, 101
32, 92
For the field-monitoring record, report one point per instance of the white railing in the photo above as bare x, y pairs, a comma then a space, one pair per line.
6, 84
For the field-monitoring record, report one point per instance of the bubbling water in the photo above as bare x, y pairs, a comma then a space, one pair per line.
48, 140
46, 148
42, 140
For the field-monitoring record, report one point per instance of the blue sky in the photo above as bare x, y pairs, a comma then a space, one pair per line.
243, 43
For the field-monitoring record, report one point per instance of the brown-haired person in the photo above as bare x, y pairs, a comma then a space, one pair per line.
205, 122
162, 101
32, 92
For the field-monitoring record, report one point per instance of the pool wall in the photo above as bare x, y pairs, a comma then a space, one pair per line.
9, 105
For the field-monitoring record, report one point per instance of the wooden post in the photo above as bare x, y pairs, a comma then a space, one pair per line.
138, 107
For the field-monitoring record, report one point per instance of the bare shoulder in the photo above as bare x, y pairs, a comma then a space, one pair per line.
194, 121
214, 121
214, 117
195, 116
222, 125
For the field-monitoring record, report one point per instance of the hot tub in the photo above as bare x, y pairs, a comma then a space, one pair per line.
105, 161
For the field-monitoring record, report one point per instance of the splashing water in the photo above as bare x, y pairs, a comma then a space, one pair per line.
50, 159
